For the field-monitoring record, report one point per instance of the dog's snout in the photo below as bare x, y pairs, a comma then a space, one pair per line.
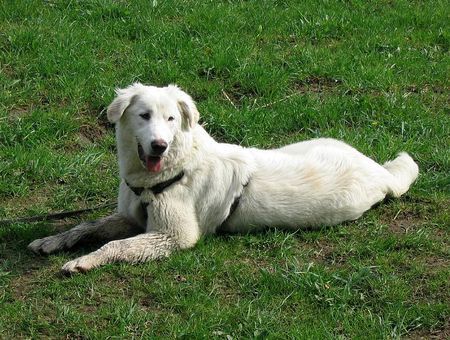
159, 146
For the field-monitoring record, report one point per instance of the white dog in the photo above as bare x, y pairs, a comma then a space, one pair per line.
178, 183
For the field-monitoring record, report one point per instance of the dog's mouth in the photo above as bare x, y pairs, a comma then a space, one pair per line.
151, 163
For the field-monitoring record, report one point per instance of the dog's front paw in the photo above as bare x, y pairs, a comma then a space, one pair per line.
51, 244
80, 265
47, 245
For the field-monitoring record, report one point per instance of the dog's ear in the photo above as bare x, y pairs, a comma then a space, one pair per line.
186, 106
124, 98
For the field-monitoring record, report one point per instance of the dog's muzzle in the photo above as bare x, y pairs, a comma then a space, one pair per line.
154, 161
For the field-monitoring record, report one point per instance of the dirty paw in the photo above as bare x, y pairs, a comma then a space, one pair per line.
79, 265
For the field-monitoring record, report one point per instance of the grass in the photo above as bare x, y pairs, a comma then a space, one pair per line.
264, 73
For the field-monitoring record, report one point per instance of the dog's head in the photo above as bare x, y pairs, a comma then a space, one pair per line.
154, 115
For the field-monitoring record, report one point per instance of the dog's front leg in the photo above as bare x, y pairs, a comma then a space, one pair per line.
108, 228
164, 235
141, 248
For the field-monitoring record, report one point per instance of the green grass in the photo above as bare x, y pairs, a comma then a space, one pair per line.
264, 73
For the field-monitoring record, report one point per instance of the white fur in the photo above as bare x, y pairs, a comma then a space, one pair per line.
315, 183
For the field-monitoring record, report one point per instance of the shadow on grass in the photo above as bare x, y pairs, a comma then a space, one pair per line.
17, 259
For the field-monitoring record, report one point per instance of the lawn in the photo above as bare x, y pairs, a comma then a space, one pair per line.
264, 73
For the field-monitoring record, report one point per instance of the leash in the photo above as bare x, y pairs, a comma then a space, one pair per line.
156, 189
55, 216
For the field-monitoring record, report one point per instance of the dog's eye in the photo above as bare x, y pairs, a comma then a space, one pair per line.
145, 115
170, 118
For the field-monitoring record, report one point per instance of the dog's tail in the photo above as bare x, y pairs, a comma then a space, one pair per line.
405, 172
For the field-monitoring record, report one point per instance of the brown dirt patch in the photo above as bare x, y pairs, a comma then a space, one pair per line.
437, 89
238, 93
23, 285
321, 251
404, 222
434, 263
325, 253
91, 133
17, 206
413, 214
255, 264
317, 84
439, 333
28, 272
429, 287
17, 112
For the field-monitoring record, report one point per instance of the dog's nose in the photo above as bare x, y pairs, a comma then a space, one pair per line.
158, 146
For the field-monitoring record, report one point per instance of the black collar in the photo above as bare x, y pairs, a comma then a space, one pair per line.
157, 188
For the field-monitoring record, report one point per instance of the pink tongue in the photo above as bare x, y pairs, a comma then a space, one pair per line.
153, 164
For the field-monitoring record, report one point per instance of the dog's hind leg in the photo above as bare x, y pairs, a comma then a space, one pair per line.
108, 228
